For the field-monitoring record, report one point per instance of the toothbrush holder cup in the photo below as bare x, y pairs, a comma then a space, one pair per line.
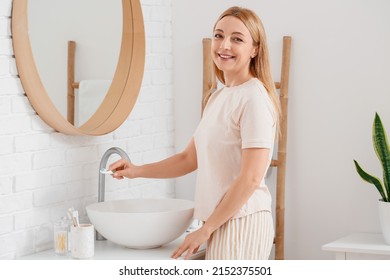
82, 243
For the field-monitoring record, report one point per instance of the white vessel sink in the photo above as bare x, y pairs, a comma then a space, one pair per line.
141, 223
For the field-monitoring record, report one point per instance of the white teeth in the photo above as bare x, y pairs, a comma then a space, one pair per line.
225, 56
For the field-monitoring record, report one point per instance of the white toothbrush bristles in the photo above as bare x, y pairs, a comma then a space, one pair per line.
105, 171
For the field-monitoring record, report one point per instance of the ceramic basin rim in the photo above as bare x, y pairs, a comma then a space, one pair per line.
98, 206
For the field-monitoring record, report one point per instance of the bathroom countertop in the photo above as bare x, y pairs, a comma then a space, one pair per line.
106, 250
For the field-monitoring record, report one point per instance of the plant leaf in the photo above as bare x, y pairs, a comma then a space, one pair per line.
371, 179
382, 150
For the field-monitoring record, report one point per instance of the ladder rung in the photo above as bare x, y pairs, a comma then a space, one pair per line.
277, 85
274, 163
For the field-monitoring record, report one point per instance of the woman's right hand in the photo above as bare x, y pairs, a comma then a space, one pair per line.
122, 168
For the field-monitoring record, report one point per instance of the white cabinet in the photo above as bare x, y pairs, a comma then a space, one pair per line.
359, 246
106, 250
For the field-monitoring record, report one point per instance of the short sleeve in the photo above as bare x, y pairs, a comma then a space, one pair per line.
257, 124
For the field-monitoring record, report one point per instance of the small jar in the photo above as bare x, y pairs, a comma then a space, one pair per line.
61, 229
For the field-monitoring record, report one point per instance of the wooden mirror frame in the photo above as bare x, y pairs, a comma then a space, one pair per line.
122, 93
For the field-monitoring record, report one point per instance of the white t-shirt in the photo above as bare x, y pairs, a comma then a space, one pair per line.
235, 118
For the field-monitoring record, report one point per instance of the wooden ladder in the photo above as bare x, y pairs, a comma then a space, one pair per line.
210, 85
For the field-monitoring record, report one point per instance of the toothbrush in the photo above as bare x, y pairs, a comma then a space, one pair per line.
76, 216
105, 171
70, 216
73, 215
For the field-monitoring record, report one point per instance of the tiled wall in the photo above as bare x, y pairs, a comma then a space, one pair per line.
43, 173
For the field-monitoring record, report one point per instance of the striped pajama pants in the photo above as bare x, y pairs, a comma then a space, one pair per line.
246, 238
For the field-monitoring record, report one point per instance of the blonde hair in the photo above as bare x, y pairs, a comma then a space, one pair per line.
259, 66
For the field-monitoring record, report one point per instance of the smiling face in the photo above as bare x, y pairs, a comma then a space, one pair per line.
232, 48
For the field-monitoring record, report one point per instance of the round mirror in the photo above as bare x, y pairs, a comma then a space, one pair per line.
80, 62
77, 46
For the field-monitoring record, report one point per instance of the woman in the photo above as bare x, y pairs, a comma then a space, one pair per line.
231, 148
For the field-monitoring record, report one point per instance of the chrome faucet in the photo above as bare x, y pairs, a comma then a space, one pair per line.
102, 182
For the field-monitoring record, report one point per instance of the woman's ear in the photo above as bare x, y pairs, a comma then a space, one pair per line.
255, 52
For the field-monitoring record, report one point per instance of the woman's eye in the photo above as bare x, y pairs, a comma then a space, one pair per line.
237, 39
217, 35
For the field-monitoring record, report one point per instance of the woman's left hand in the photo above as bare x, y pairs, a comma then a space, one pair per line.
191, 243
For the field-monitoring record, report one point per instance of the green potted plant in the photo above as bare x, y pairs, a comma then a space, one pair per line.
381, 147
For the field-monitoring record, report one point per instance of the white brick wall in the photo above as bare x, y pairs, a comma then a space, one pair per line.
43, 173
